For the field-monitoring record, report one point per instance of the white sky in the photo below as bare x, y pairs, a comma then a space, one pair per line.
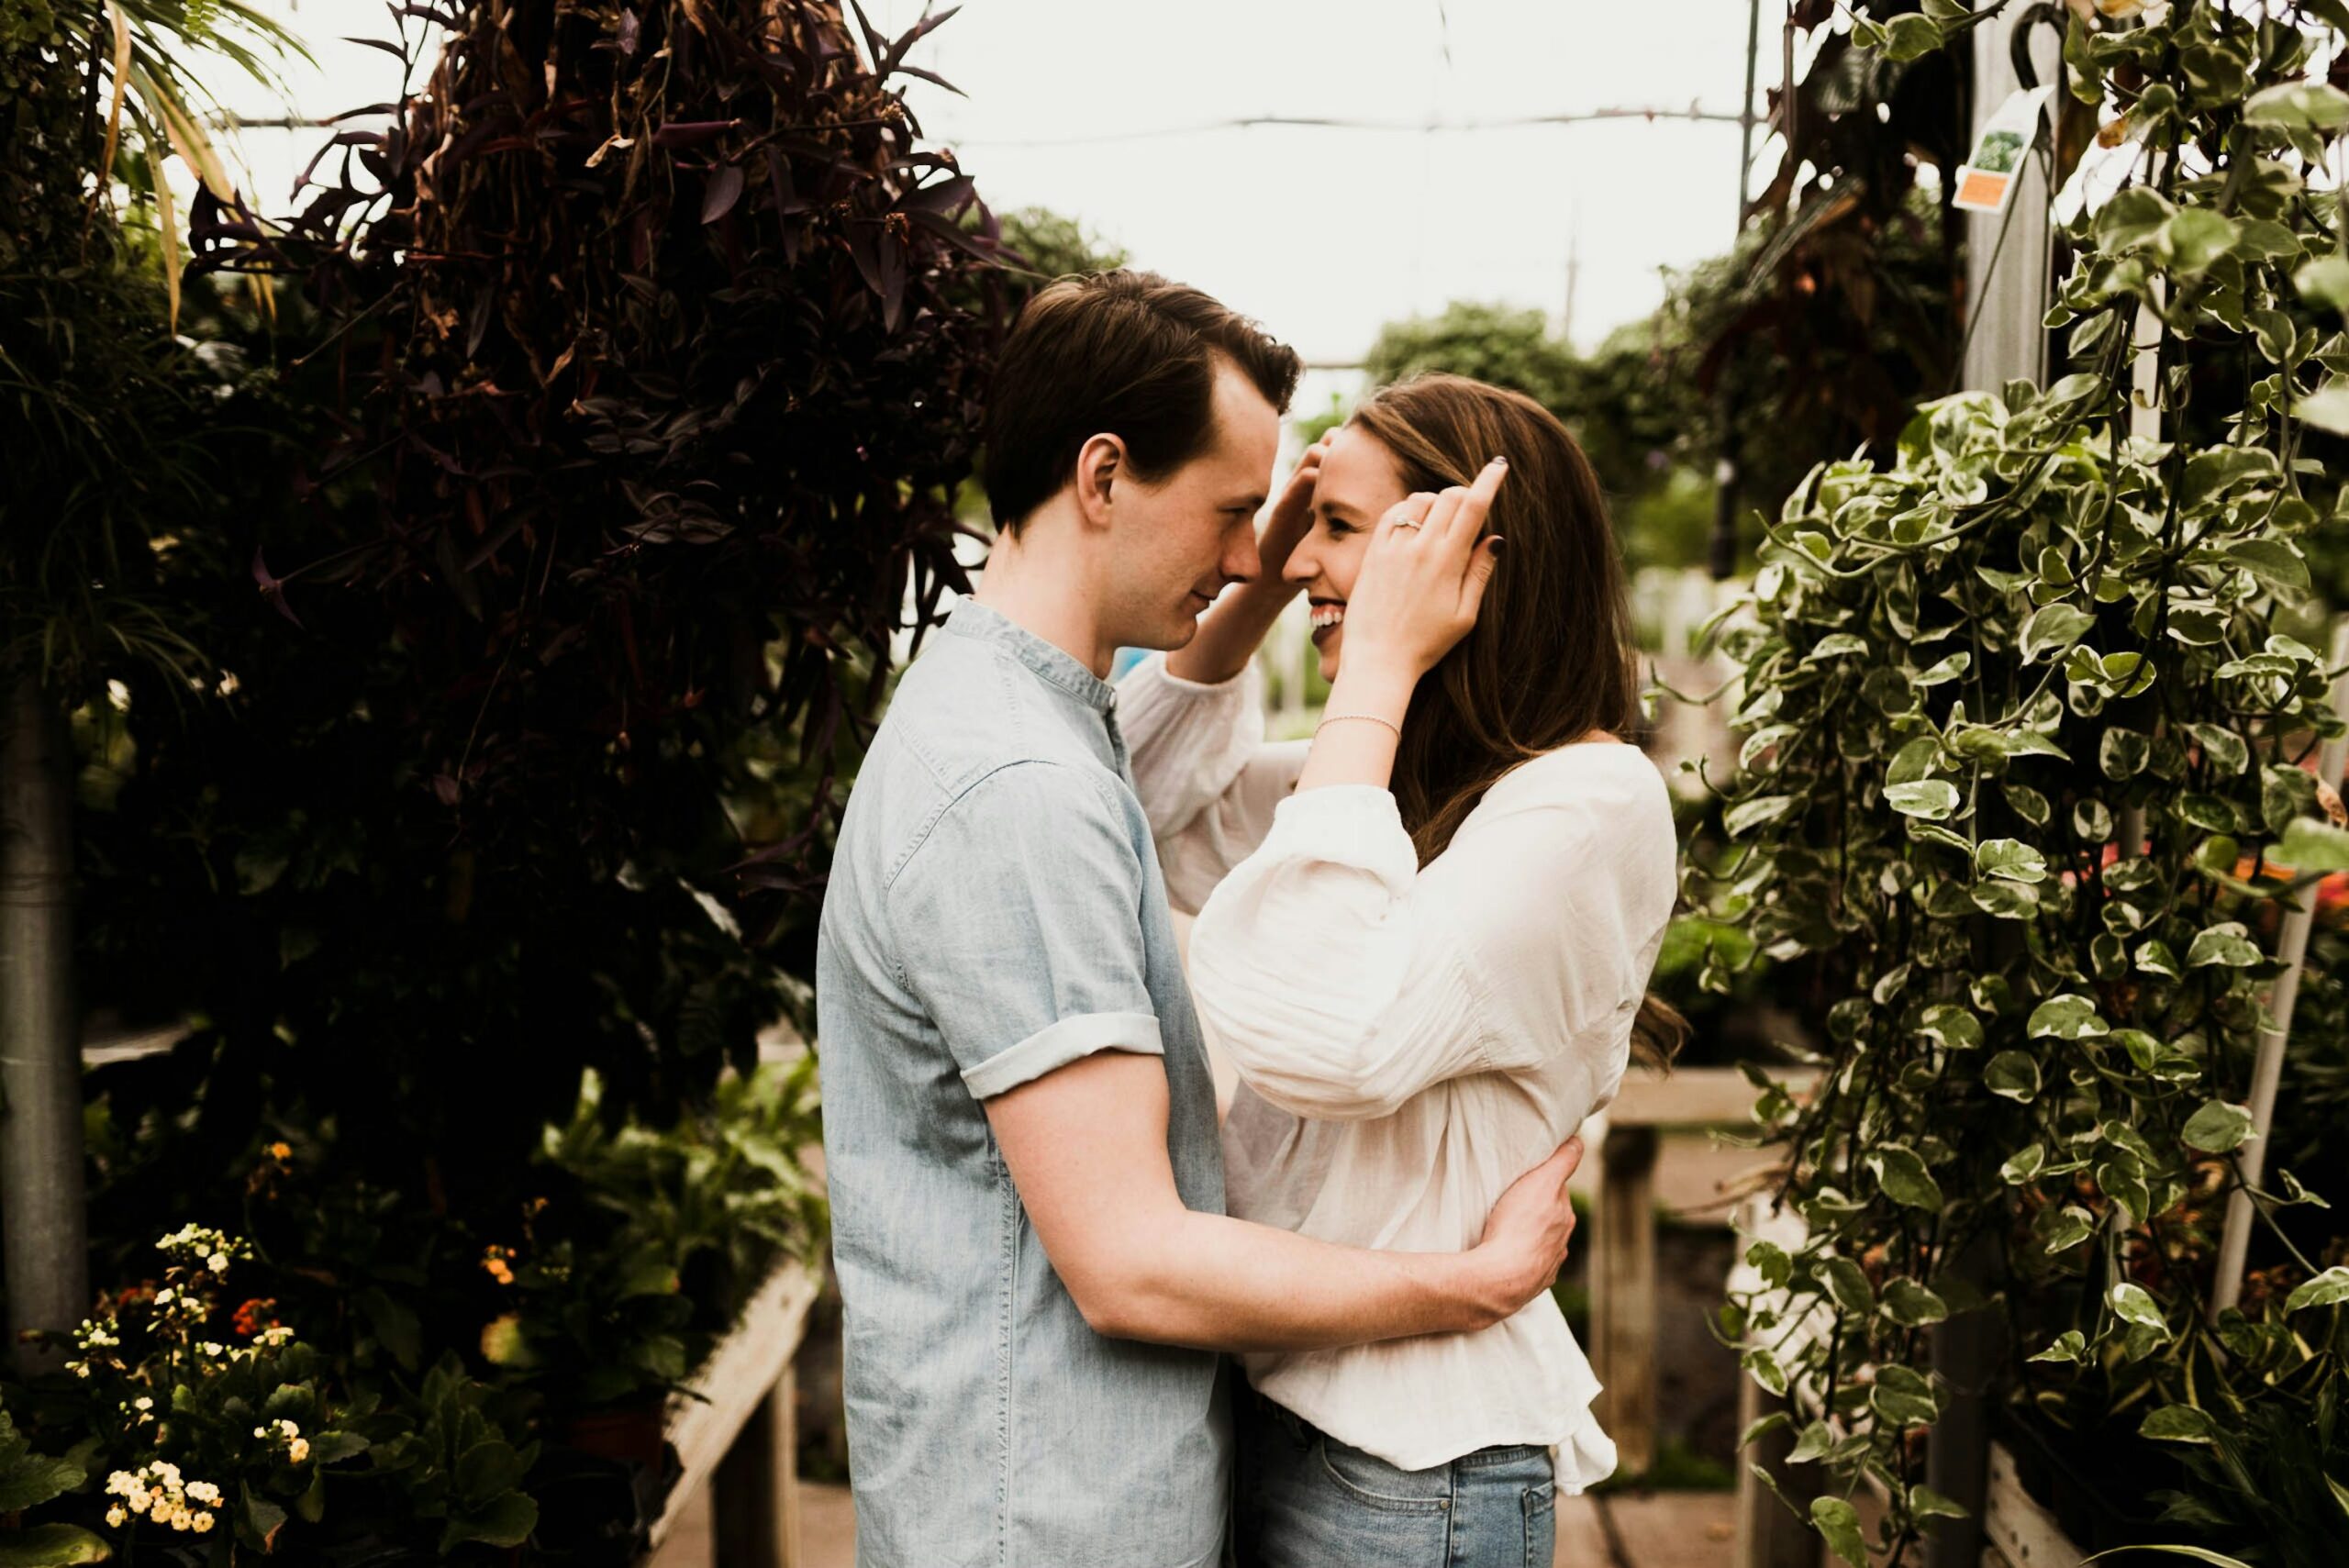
1324, 233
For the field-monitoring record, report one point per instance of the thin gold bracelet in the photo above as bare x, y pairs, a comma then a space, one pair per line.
1328, 719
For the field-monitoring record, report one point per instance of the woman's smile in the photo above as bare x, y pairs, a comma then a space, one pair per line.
1327, 614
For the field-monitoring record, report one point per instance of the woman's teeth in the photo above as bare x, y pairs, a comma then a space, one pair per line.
1327, 616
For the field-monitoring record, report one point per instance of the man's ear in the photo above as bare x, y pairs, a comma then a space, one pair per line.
1100, 463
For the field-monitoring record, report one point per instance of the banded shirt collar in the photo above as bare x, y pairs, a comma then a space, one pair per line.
1051, 664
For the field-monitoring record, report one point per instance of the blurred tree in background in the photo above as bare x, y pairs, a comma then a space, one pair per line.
1040, 245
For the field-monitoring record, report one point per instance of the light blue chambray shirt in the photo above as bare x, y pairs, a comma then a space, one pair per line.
995, 912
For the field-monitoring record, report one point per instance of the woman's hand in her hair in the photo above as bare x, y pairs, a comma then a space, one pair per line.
1291, 516
1423, 578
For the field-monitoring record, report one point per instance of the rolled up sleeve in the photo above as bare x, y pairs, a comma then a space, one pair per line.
1019, 917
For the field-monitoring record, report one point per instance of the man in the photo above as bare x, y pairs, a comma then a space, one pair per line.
1019, 1119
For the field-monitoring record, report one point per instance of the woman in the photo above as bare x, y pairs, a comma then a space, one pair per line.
1424, 941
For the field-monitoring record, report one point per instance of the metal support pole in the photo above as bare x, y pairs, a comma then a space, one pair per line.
41, 1215
1745, 113
2251, 1160
1721, 551
2007, 341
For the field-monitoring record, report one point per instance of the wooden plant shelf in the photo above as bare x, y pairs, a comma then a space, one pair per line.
740, 1437
2019, 1532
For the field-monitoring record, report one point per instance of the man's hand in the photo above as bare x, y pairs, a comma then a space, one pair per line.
1087, 1148
1526, 1235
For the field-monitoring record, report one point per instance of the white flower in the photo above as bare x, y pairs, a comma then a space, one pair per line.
300, 1450
163, 1296
142, 1403
261, 1432
217, 1262
138, 1501
114, 1517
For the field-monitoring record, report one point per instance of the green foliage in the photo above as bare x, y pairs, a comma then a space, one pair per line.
1495, 343
29, 1479
605, 1290
2272, 1480
105, 418
667, 1234
1050, 245
124, 69
1966, 670
1841, 303
579, 503
460, 1467
1806, 338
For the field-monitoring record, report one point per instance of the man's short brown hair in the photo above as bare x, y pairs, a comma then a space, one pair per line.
1124, 353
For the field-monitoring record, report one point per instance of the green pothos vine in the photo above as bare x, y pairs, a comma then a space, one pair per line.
2027, 716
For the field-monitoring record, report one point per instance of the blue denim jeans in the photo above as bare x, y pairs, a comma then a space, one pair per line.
1307, 1500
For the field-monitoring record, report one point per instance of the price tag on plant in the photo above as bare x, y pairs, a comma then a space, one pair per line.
1985, 181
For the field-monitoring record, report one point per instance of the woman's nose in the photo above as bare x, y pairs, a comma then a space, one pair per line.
1301, 567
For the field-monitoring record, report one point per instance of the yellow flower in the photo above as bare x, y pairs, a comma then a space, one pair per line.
203, 1522
115, 1516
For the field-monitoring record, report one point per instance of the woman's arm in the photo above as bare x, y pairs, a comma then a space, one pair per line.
1234, 627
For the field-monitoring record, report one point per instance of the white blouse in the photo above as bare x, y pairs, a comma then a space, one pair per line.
1409, 1040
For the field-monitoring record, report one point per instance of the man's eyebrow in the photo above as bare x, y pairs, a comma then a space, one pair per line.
1253, 502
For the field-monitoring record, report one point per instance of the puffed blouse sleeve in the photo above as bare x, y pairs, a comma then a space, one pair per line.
1207, 779
1343, 978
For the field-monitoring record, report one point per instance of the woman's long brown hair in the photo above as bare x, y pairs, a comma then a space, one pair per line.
1550, 659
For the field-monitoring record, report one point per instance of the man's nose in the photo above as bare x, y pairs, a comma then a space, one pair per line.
1241, 562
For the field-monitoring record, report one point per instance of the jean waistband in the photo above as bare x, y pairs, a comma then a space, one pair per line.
1306, 1431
